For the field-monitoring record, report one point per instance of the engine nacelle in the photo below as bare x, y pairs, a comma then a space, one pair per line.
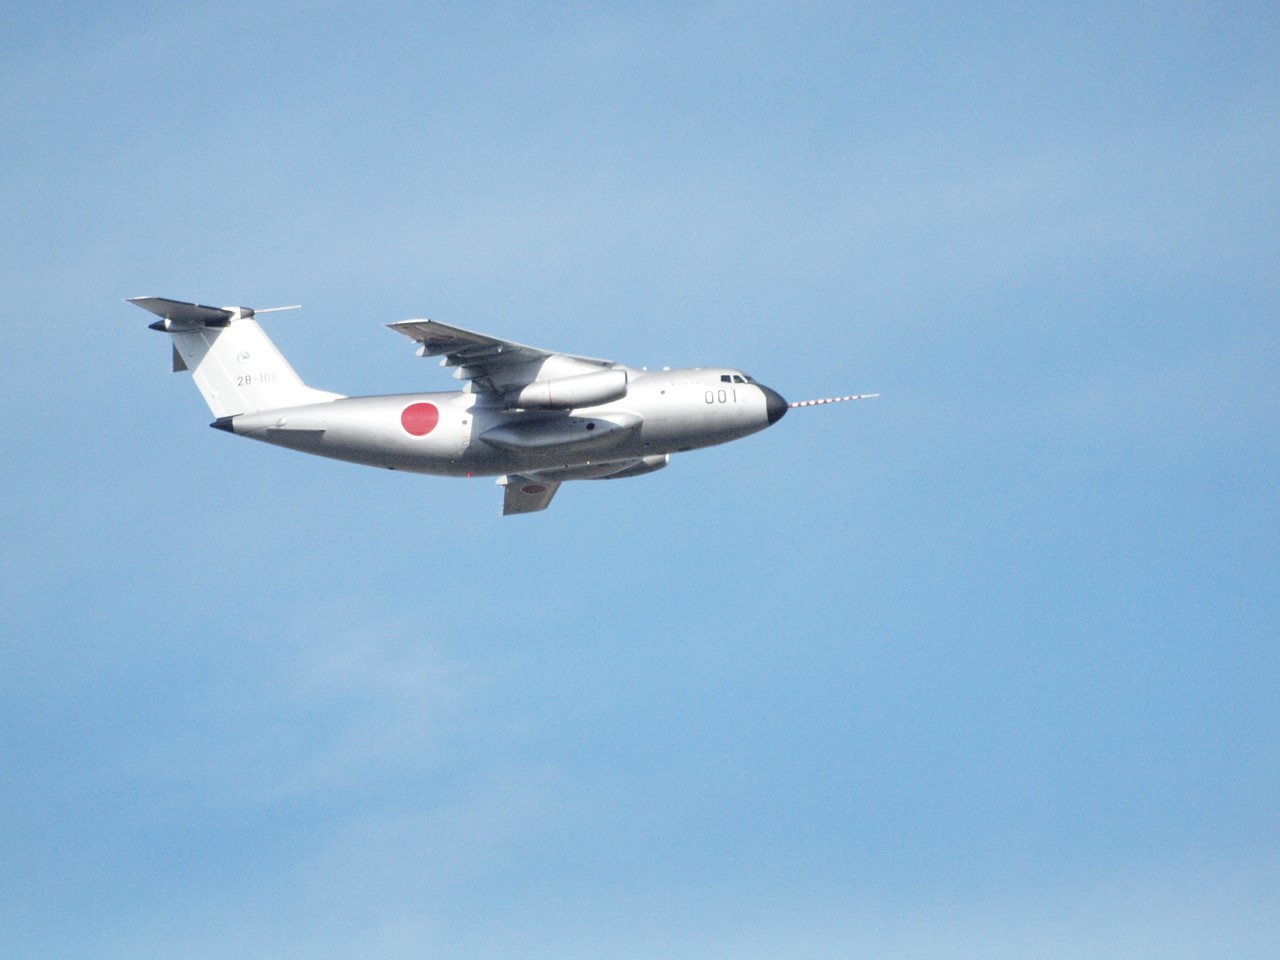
566, 393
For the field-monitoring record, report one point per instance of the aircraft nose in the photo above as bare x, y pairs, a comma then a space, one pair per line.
774, 405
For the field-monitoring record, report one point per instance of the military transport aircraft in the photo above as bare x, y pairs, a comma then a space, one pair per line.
531, 417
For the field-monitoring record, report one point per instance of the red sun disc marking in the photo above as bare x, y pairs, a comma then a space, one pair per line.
533, 488
419, 419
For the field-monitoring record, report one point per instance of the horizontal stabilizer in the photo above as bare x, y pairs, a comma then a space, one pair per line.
185, 314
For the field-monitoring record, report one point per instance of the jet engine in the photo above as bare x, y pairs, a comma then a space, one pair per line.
566, 393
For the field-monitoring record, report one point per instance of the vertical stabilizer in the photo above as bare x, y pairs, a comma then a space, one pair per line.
233, 362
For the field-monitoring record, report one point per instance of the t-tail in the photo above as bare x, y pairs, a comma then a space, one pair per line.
236, 366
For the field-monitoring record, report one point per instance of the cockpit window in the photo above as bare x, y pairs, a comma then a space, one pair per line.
725, 378
737, 378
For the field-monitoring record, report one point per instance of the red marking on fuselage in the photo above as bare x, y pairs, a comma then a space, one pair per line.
419, 419
533, 488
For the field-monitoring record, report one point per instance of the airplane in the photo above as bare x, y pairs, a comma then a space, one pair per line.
533, 418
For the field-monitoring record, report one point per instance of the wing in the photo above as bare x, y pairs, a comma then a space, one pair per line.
523, 495
491, 364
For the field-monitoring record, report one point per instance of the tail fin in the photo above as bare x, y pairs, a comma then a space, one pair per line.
236, 366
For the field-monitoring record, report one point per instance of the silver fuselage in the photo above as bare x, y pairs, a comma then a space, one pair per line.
468, 433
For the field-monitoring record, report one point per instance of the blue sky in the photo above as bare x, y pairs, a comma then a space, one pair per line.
987, 667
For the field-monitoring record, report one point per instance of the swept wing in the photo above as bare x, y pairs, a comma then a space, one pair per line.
494, 365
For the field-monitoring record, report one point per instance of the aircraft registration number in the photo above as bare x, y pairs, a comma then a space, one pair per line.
249, 379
